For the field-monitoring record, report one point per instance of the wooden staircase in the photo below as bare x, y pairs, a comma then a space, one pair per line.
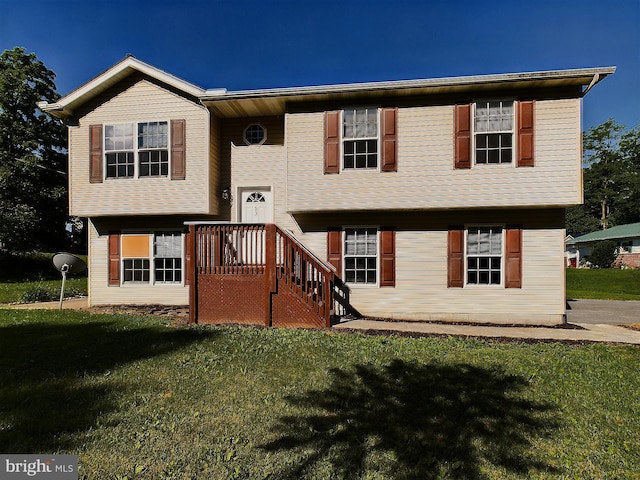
257, 274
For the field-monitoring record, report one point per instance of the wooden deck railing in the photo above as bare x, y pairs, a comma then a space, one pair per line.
266, 249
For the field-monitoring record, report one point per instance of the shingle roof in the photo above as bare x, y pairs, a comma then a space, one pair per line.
614, 233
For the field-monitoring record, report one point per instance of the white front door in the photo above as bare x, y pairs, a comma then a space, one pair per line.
256, 206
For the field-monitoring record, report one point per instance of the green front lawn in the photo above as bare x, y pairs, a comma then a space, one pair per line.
605, 284
137, 399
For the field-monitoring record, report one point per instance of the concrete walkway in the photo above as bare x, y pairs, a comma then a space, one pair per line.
586, 332
598, 321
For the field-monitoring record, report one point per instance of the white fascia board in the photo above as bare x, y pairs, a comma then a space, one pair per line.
419, 83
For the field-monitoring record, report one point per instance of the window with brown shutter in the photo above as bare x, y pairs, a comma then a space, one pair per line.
178, 150
389, 140
513, 257
462, 125
455, 257
387, 257
334, 248
114, 259
331, 142
95, 156
525, 134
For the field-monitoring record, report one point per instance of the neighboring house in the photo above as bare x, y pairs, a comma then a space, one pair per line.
626, 238
421, 199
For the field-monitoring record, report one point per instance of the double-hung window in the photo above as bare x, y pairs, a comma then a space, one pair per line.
137, 150
360, 138
494, 131
484, 255
152, 258
360, 255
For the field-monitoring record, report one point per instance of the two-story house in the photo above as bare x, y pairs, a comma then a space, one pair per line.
422, 199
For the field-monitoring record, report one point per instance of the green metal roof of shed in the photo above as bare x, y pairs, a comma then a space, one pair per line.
614, 233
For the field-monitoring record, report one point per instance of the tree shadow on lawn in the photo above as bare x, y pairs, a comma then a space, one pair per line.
409, 420
49, 395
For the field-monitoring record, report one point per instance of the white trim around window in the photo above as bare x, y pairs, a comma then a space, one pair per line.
493, 129
139, 149
361, 255
484, 255
152, 258
360, 145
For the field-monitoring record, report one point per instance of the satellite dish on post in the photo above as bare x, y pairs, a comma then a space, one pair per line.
66, 263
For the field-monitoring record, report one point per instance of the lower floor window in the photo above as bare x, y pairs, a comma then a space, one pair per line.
484, 255
360, 255
153, 258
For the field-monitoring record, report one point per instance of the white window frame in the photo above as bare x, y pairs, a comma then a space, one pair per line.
136, 150
344, 255
512, 132
246, 139
152, 257
377, 139
502, 228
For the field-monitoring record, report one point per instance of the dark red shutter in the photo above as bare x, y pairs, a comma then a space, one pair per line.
387, 257
96, 160
513, 258
334, 248
462, 125
455, 257
525, 134
178, 150
114, 259
389, 140
331, 142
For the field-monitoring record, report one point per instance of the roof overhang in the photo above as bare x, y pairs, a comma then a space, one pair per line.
274, 101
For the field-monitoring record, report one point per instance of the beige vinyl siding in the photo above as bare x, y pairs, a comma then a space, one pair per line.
215, 168
261, 166
426, 178
100, 293
421, 291
143, 101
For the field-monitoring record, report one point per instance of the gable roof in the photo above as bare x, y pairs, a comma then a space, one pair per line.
273, 101
631, 230
64, 107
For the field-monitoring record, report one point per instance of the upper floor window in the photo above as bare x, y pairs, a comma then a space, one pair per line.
147, 156
255, 134
360, 138
493, 129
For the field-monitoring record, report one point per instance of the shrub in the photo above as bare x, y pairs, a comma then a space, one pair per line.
603, 254
39, 292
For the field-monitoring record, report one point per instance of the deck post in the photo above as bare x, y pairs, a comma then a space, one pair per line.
269, 269
192, 275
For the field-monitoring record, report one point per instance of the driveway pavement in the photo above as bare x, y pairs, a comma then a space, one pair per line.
610, 312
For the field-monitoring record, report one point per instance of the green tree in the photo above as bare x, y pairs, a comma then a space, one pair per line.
603, 254
33, 194
611, 180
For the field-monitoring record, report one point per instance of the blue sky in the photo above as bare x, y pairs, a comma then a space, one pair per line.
277, 43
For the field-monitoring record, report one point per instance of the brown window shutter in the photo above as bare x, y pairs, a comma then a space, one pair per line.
525, 134
178, 150
462, 125
96, 160
513, 258
389, 140
114, 259
331, 142
334, 248
455, 257
387, 257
